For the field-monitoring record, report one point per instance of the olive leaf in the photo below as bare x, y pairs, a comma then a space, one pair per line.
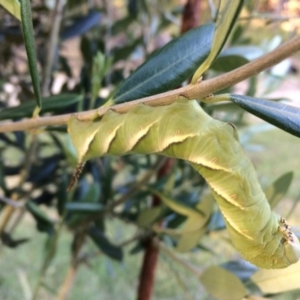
169, 66
28, 34
12, 6
227, 15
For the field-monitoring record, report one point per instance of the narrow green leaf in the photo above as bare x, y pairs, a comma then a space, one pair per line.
226, 63
62, 195
293, 208
235, 57
92, 195
227, 14
190, 240
52, 103
168, 67
278, 281
13, 7
283, 116
195, 228
105, 245
2, 177
28, 34
178, 207
9, 241
252, 86
75, 220
43, 223
119, 25
237, 34
101, 65
124, 52
222, 284
148, 216
84, 207
81, 25
278, 188
205, 206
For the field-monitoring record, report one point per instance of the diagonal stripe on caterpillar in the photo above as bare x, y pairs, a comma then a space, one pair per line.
183, 130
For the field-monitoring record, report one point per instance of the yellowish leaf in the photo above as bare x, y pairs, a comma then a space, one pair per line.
222, 284
13, 7
278, 281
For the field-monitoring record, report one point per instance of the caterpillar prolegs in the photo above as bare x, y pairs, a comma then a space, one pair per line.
183, 130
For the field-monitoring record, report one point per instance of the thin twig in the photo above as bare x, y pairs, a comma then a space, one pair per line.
137, 186
52, 48
132, 191
10, 202
47, 260
78, 242
191, 91
269, 18
132, 239
68, 282
21, 211
180, 261
28, 160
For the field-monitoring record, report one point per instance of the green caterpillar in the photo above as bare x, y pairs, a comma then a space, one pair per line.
183, 130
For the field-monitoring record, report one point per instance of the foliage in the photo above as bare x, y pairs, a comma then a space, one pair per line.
114, 187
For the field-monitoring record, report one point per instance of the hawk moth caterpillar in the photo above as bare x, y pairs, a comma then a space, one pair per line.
183, 130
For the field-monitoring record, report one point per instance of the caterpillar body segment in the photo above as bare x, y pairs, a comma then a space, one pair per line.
183, 130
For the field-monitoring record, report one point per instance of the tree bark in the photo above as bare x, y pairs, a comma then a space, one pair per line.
191, 15
147, 274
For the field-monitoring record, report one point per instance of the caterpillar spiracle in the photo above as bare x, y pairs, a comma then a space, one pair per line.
183, 130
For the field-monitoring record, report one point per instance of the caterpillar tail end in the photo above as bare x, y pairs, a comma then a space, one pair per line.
75, 175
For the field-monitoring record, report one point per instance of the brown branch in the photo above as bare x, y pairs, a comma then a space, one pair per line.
147, 274
190, 19
47, 260
192, 91
8, 210
65, 288
68, 282
191, 15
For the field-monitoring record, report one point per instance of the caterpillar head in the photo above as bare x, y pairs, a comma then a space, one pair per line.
290, 242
